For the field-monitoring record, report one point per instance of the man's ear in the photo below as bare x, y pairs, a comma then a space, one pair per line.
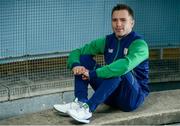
133, 22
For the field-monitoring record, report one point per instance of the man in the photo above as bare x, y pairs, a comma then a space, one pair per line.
122, 82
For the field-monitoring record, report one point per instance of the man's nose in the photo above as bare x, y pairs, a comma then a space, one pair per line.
119, 23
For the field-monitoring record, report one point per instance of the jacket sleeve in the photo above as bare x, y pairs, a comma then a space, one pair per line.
137, 52
94, 47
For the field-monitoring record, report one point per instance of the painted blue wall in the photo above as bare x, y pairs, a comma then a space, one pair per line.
45, 26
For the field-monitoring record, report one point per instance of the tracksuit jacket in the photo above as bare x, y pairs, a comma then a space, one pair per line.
128, 54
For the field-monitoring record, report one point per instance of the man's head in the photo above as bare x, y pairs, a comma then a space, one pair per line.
122, 20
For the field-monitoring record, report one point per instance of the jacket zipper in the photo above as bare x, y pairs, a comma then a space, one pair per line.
117, 51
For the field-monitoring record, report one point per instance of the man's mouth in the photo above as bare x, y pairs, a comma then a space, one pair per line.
119, 30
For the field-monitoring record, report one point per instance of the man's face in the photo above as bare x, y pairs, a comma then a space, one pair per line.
122, 23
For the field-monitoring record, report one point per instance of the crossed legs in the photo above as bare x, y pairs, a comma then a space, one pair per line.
122, 92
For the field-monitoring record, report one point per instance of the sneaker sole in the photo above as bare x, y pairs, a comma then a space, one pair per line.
61, 113
80, 120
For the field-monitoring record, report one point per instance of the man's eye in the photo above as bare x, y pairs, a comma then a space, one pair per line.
114, 20
123, 20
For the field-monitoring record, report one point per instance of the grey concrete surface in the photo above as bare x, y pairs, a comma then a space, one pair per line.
39, 88
28, 105
4, 96
36, 104
159, 108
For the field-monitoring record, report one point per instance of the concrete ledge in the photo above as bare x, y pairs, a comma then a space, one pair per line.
4, 96
160, 108
136, 118
36, 89
18, 107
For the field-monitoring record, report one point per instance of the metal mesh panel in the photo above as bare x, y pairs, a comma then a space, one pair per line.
36, 37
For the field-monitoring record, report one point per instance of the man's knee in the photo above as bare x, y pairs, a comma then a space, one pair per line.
133, 104
87, 61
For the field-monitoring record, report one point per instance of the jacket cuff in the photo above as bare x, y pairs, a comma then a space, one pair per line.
92, 74
75, 64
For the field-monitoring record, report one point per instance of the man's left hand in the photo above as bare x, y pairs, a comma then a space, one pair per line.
85, 75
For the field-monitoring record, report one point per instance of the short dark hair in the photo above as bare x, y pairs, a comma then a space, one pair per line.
123, 7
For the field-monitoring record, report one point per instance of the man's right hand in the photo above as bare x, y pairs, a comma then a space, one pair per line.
78, 70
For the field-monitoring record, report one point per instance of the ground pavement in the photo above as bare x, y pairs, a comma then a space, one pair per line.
159, 108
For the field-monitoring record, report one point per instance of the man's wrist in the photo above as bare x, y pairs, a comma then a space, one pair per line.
92, 74
75, 64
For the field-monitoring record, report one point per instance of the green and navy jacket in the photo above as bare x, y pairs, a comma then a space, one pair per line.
130, 53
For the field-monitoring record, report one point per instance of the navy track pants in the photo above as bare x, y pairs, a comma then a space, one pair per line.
122, 92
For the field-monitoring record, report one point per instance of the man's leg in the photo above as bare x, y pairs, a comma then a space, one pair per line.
129, 95
122, 92
103, 89
84, 113
81, 86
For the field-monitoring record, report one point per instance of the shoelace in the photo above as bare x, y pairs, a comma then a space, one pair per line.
71, 104
83, 106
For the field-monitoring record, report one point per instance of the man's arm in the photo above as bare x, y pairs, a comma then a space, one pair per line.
137, 53
95, 47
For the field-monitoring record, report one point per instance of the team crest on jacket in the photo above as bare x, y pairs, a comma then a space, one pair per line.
125, 51
110, 50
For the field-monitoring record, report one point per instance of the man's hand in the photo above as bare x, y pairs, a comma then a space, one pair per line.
85, 75
78, 70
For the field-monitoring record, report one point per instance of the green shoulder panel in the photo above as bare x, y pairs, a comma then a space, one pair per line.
137, 52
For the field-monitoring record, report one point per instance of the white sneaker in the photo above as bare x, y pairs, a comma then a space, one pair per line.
62, 108
81, 114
